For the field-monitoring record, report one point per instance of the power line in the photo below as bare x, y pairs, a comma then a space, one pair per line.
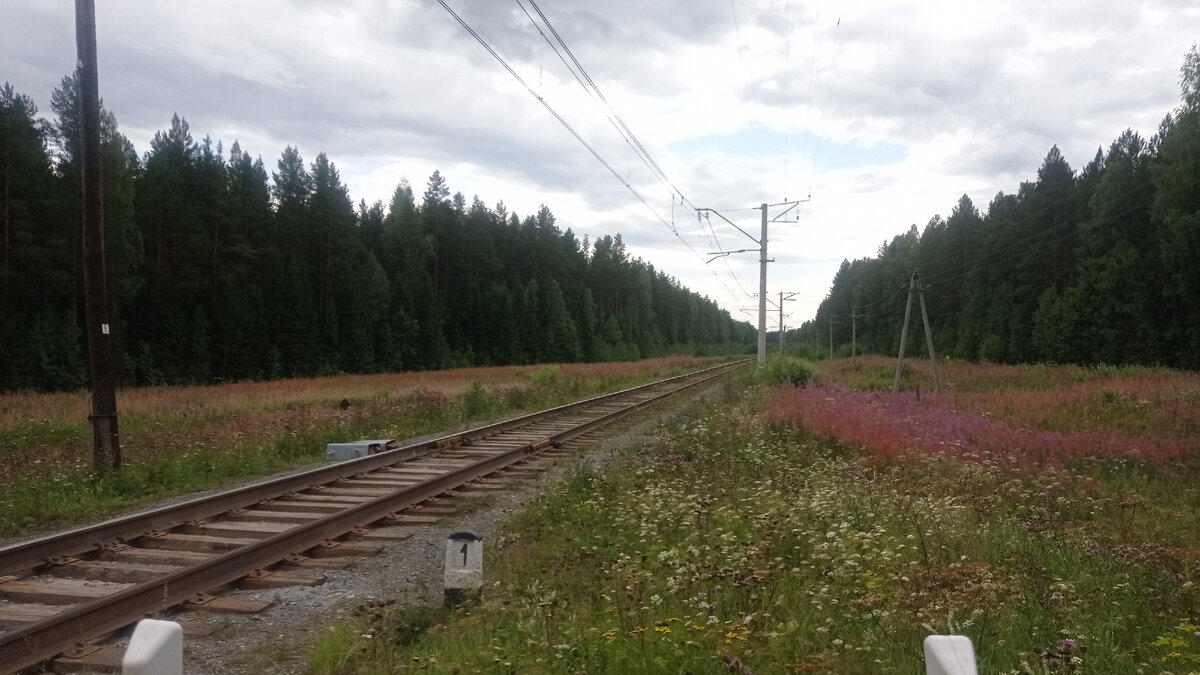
631, 137
837, 40
589, 85
750, 93
579, 72
566, 125
705, 218
581, 76
787, 90
812, 83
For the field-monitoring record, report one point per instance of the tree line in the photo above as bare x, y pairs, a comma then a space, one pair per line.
218, 271
1100, 265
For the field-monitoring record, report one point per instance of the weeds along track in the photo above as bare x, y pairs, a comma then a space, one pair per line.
61, 593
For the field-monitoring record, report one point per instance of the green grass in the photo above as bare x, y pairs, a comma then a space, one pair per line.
168, 457
732, 547
780, 369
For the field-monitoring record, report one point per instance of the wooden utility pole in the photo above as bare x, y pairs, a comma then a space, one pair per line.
106, 445
937, 382
854, 338
831, 336
915, 287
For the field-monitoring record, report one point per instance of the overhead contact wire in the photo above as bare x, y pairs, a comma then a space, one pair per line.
566, 125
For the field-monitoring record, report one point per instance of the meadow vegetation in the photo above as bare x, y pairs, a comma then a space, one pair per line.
177, 440
827, 529
784, 369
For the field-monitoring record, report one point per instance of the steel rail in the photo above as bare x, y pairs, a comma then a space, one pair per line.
44, 639
28, 555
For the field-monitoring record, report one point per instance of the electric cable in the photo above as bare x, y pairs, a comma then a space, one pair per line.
579, 72
824, 116
589, 85
566, 125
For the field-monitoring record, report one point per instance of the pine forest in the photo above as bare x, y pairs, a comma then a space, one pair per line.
221, 271
1099, 265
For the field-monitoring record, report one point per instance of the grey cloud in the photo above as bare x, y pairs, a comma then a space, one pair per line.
866, 182
999, 157
370, 83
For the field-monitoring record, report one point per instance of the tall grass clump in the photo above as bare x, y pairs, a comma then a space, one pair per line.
784, 369
734, 546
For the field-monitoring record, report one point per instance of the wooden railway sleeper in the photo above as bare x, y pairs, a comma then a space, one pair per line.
82, 650
111, 547
199, 600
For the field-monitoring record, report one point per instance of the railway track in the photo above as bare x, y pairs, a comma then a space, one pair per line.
62, 592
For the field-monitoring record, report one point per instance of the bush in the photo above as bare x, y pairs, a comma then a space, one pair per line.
477, 402
786, 369
546, 376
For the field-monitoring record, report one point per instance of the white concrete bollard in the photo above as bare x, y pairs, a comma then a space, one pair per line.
464, 567
949, 655
156, 648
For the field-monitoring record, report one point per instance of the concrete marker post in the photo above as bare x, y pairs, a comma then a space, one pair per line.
464, 567
156, 648
949, 655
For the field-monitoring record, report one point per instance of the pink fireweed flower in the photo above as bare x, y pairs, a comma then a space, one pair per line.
891, 425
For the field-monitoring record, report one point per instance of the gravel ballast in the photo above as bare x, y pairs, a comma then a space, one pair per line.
408, 572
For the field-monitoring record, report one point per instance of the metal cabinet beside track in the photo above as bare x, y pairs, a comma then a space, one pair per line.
340, 452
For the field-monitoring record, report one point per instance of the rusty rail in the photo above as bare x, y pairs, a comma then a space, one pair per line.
27, 555
46, 638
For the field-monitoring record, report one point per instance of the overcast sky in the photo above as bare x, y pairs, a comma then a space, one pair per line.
884, 112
